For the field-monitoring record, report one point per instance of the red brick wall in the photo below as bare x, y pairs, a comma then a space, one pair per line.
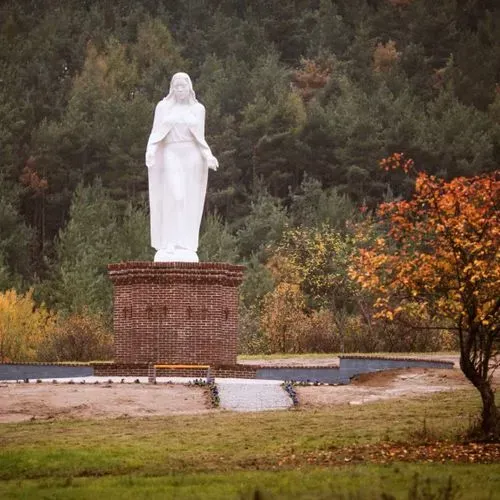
141, 370
235, 371
120, 370
175, 312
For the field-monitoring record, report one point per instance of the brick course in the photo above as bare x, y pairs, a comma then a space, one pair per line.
141, 370
175, 312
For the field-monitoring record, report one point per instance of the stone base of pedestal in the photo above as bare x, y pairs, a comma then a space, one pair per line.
175, 312
103, 369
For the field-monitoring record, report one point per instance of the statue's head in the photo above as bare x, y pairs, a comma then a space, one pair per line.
181, 89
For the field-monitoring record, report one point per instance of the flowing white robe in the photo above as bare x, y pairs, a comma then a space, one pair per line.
177, 156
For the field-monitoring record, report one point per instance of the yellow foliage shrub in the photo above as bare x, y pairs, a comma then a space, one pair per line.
319, 333
24, 326
78, 337
288, 327
282, 317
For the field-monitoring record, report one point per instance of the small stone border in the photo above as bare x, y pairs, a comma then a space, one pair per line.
212, 388
76, 381
289, 388
313, 383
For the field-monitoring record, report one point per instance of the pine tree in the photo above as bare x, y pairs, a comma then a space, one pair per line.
95, 236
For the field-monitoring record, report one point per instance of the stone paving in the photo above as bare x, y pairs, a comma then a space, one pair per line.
252, 395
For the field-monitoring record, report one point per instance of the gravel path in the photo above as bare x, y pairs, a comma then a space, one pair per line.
252, 395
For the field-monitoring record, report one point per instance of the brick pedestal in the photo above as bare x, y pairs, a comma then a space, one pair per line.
175, 312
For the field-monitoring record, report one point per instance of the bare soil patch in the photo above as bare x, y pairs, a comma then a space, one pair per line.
378, 386
21, 402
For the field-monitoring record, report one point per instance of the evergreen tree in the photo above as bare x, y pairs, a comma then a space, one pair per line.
95, 236
15, 240
262, 227
455, 139
314, 206
217, 244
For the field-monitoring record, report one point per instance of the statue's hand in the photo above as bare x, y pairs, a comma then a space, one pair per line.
213, 163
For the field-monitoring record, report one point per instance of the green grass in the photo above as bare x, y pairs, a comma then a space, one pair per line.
226, 455
320, 355
312, 355
358, 482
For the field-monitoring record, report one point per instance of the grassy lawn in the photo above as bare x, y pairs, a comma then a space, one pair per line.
229, 455
476, 482
321, 355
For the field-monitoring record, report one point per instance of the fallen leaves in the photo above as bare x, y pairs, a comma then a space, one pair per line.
383, 453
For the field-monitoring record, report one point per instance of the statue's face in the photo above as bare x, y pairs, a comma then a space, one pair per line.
181, 89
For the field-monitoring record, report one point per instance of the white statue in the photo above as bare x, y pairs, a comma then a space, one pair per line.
178, 159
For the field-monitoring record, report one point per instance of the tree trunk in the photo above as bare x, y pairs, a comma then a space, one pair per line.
489, 424
489, 416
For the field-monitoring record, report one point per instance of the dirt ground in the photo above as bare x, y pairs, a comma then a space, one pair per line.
46, 401
383, 385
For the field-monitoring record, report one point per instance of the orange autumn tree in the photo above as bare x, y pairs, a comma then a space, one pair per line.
439, 260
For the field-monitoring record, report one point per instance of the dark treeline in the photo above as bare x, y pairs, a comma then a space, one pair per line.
303, 99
